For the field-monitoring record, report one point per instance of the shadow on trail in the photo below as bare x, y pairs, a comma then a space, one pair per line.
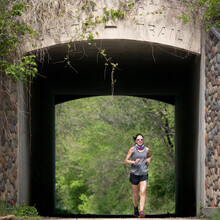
113, 216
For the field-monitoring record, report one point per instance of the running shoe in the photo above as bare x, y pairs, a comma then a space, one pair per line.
142, 215
136, 212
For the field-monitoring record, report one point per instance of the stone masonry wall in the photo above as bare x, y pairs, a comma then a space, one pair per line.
212, 121
8, 140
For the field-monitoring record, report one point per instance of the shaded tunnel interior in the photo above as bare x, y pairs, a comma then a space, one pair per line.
144, 70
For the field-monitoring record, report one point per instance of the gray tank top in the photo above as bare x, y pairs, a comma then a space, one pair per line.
139, 168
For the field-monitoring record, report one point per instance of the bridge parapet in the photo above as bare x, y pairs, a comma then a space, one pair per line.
153, 21
59, 23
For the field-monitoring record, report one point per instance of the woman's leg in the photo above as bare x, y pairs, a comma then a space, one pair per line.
135, 194
143, 187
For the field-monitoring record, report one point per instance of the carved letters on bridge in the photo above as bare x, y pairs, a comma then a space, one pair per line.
142, 24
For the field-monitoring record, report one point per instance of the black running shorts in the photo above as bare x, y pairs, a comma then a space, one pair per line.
135, 180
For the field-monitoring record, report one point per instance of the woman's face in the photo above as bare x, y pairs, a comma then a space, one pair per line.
139, 140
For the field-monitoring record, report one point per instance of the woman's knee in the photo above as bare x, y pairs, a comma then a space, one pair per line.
135, 194
142, 193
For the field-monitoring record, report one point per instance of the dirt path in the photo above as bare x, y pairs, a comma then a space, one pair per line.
49, 218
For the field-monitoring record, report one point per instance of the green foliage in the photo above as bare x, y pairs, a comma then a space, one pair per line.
26, 212
162, 186
205, 11
4, 210
88, 4
12, 32
21, 70
113, 14
93, 136
90, 36
20, 212
130, 5
216, 216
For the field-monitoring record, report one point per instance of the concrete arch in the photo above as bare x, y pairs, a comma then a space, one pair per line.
147, 70
153, 21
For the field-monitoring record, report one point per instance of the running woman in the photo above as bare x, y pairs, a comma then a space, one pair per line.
140, 156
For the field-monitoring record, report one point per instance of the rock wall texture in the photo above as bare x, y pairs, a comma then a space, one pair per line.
8, 140
212, 121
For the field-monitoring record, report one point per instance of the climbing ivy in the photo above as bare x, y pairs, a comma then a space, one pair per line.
15, 28
207, 12
13, 31
92, 21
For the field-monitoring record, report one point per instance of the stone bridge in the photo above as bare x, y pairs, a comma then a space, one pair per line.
158, 57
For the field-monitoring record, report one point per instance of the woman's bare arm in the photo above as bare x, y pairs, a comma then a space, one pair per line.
148, 160
127, 159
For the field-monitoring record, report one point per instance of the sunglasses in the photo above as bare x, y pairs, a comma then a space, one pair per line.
139, 139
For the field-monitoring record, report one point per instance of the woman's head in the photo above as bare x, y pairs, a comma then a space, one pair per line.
139, 139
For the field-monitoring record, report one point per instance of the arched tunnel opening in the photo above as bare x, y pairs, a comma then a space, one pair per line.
144, 70
93, 136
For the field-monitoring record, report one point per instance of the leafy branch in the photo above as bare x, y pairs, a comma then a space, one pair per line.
13, 31
207, 12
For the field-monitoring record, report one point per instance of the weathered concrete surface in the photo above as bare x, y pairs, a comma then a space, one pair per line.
201, 133
24, 152
59, 23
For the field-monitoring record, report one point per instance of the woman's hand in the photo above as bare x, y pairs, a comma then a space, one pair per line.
137, 160
148, 160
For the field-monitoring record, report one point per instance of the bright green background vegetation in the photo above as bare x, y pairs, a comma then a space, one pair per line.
93, 136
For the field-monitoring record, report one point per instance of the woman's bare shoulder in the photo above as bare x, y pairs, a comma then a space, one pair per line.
132, 149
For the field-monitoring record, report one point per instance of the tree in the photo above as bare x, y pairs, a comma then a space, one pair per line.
12, 33
93, 136
207, 12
